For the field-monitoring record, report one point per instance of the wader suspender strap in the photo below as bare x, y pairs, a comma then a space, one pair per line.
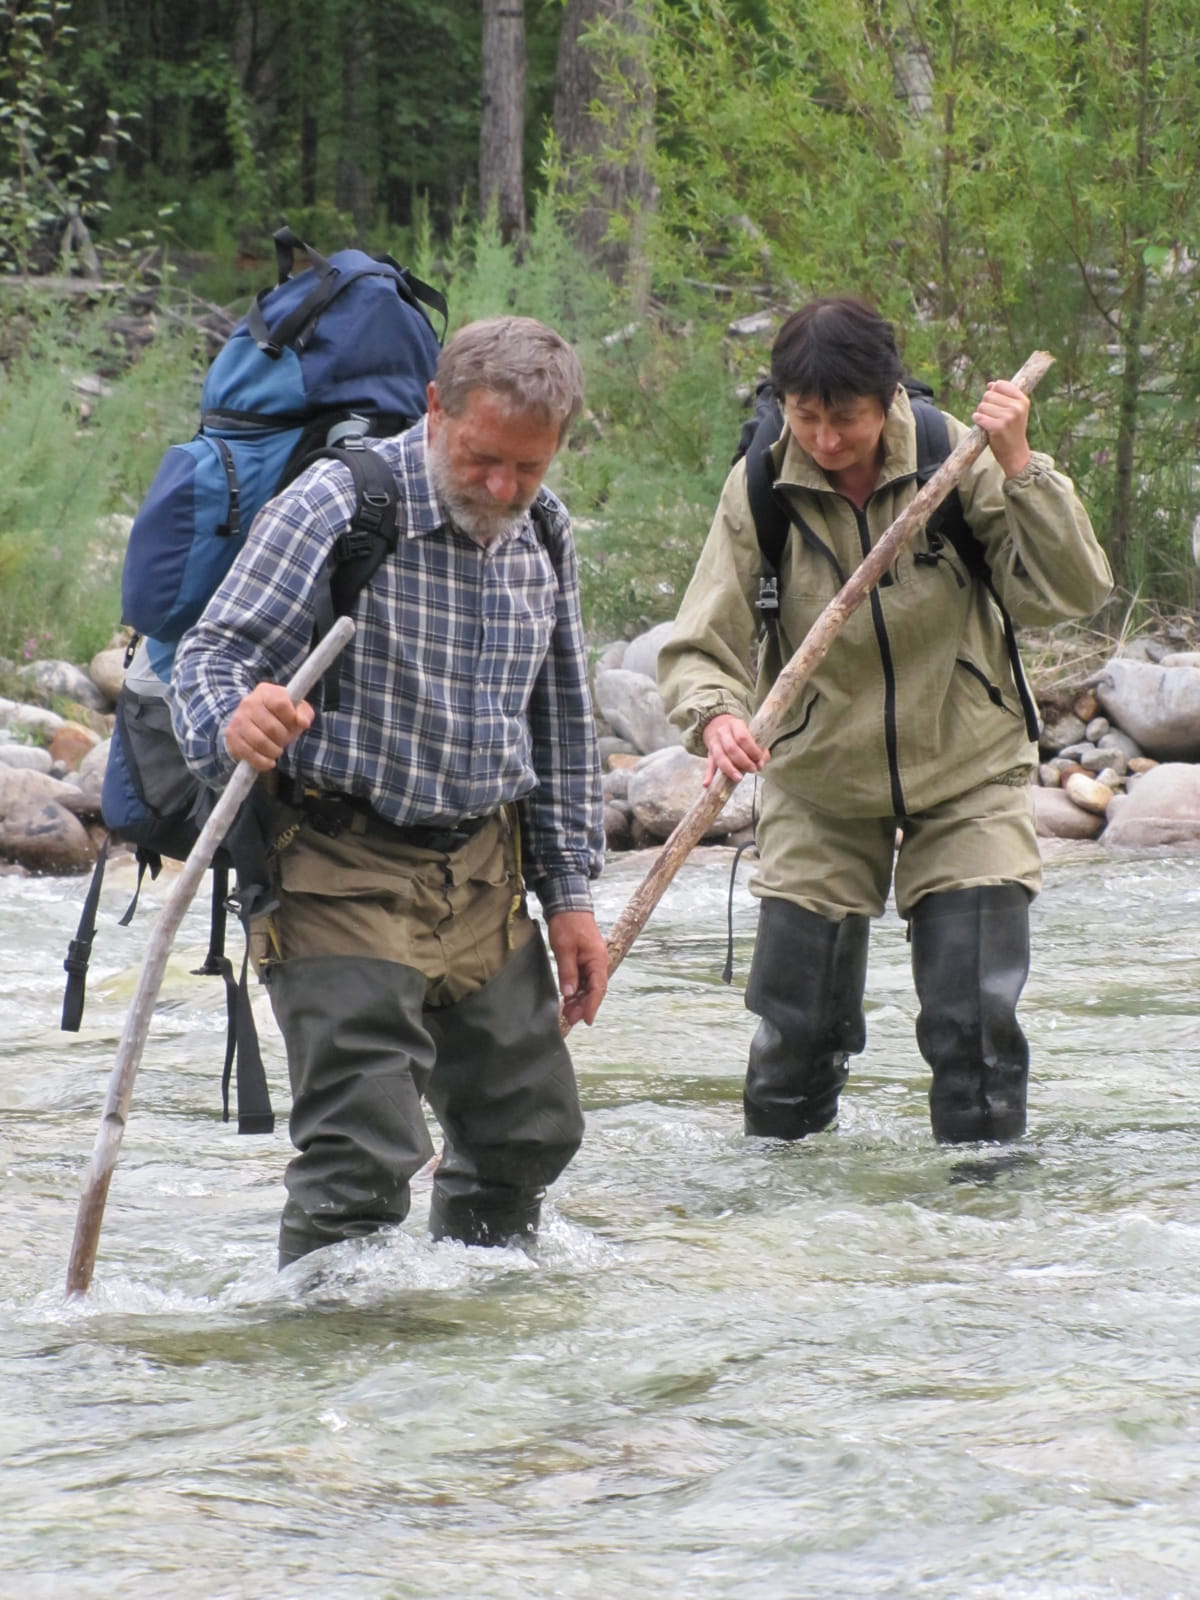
241, 1036
79, 951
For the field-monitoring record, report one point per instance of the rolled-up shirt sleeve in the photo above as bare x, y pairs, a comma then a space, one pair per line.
563, 818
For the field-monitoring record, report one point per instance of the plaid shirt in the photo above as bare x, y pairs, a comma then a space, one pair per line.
464, 688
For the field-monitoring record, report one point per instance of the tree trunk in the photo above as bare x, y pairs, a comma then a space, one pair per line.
1132, 326
309, 151
502, 129
352, 185
604, 124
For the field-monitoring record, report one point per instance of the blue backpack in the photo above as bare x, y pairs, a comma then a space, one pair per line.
339, 351
323, 360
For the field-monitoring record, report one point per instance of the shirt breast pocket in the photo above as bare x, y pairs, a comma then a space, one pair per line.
520, 624
533, 618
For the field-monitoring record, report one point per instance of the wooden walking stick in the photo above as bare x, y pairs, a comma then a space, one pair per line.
137, 1024
765, 724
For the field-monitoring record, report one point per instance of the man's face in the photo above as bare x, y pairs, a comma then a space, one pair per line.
488, 463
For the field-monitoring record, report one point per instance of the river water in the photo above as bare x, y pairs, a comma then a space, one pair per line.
860, 1366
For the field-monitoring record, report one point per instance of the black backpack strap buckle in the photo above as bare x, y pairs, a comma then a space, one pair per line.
767, 604
351, 544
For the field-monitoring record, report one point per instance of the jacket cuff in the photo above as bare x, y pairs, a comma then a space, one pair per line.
700, 715
1038, 465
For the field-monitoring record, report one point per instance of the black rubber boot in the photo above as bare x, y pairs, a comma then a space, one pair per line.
806, 983
504, 1092
970, 958
359, 1057
467, 1208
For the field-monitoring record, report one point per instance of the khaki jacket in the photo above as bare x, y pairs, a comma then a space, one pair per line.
915, 701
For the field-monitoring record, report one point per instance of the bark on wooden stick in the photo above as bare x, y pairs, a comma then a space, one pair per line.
137, 1024
765, 724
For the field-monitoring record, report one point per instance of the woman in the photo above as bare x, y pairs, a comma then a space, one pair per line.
912, 724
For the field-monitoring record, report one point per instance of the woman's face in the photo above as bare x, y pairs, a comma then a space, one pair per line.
842, 437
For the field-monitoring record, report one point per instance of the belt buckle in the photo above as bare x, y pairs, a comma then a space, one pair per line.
447, 840
327, 815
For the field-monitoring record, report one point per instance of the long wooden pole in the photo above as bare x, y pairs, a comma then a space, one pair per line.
137, 1024
765, 724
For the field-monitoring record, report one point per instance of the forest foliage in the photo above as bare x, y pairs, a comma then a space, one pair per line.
995, 179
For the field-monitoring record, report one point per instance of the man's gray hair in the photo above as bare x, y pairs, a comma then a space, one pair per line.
531, 365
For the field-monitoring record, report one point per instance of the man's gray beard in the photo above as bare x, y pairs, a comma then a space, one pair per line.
482, 523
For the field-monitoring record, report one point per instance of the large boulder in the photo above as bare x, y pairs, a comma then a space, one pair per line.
1163, 808
1159, 706
32, 757
64, 680
22, 718
40, 826
20, 786
664, 787
630, 703
107, 672
43, 836
641, 654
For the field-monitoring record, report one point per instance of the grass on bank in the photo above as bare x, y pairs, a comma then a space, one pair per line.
83, 432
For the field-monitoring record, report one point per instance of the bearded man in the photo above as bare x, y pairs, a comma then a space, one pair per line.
455, 764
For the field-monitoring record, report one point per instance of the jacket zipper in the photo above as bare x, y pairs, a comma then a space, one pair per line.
890, 738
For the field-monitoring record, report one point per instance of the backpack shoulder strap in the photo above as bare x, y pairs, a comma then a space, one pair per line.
370, 535
770, 515
543, 527
949, 521
933, 446
773, 516
357, 553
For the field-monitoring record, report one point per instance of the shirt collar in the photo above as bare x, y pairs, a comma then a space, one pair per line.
425, 515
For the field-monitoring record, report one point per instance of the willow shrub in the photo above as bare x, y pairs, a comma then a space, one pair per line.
80, 450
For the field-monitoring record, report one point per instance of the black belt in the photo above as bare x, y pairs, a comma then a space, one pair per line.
333, 814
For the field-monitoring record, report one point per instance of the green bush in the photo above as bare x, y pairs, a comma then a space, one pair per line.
80, 451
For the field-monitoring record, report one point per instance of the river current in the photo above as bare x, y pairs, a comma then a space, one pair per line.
861, 1366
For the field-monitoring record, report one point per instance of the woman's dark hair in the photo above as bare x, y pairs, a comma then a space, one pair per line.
836, 348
